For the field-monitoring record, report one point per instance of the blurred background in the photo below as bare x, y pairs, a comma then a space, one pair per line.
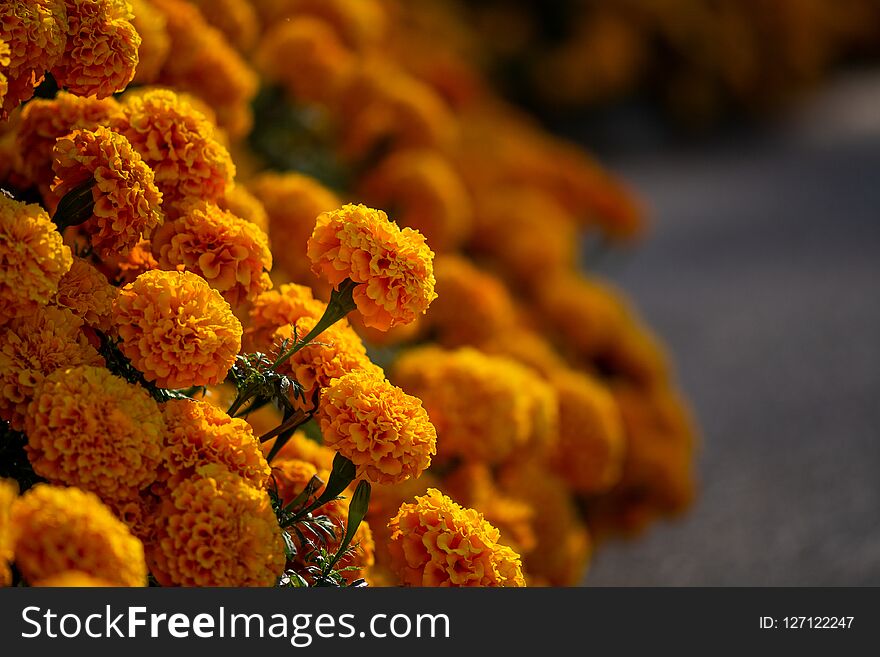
751, 130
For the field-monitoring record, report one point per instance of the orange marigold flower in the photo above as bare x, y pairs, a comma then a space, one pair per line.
127, 201
229, 252
240, 202
33, 258
383, 431
426, 194
176, 329
360, 23
274, 309
88, 294
151, 25
8, 493
484, 407
178, 143
526, 346
589, 453
102, 48
4, 62
302, 448
198, 433
203, 62
61, 529
460, 284
73, 579
335, 353
261, 420
394, 265
292, 201
290, 477
236, 19
123, 269
215, 529
90, 429
45, 120
323, 61
33, 347
36, 33
436, 542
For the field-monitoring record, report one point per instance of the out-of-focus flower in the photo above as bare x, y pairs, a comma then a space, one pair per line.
484, 407
422, 190
45, 120
589, 454
240, 202
33, 258
273, 309
36, 33
61, 529
394, 267
31, 348
8, 493
361, 24
323, 61
460, 284
201, 61
151, 25
178, 143
127, 201
236, 19
73, 579
527, 346
229, 252
176, 329
198, 433
88, 294
335, 353
4, 62
293, 201
123, 269
436, 542
215, 529
301, 448
90, 429
102, 48
383, 431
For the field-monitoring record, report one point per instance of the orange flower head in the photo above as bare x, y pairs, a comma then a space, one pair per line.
240, 202
178, 143
236, 19
90, 429
73, 579
4, 62
302, 448
8, 493
198, 433
334, 353
61, 529
123, 269
383, 431
45, 120
436, 542
216, 529
88, 294
395, 266
102, 48
229, 252
176, 329
36, 33
33, 258
127, 201
274, 309
33, 347
151, 25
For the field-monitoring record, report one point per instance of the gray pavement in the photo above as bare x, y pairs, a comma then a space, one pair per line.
762, 273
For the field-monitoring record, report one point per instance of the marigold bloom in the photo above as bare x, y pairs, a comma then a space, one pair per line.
426, 194
8, 493
261, 420
240, 202
360, 23
484, 407
335, 353
290, 476
198, 433
151, 25
236, 19
460, 284
178, 143
215, 529
61, 529
45, 120
102, 48
33, 347
176, 329
36, 33
301, 448
292, 201
229, 252
4, 62
274, 309
525, 346
33, 258
394, 265
383, 431
90, 429
88, 294
74, 579
123, 269
590, 449
436, 542
323, 61
127, 201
